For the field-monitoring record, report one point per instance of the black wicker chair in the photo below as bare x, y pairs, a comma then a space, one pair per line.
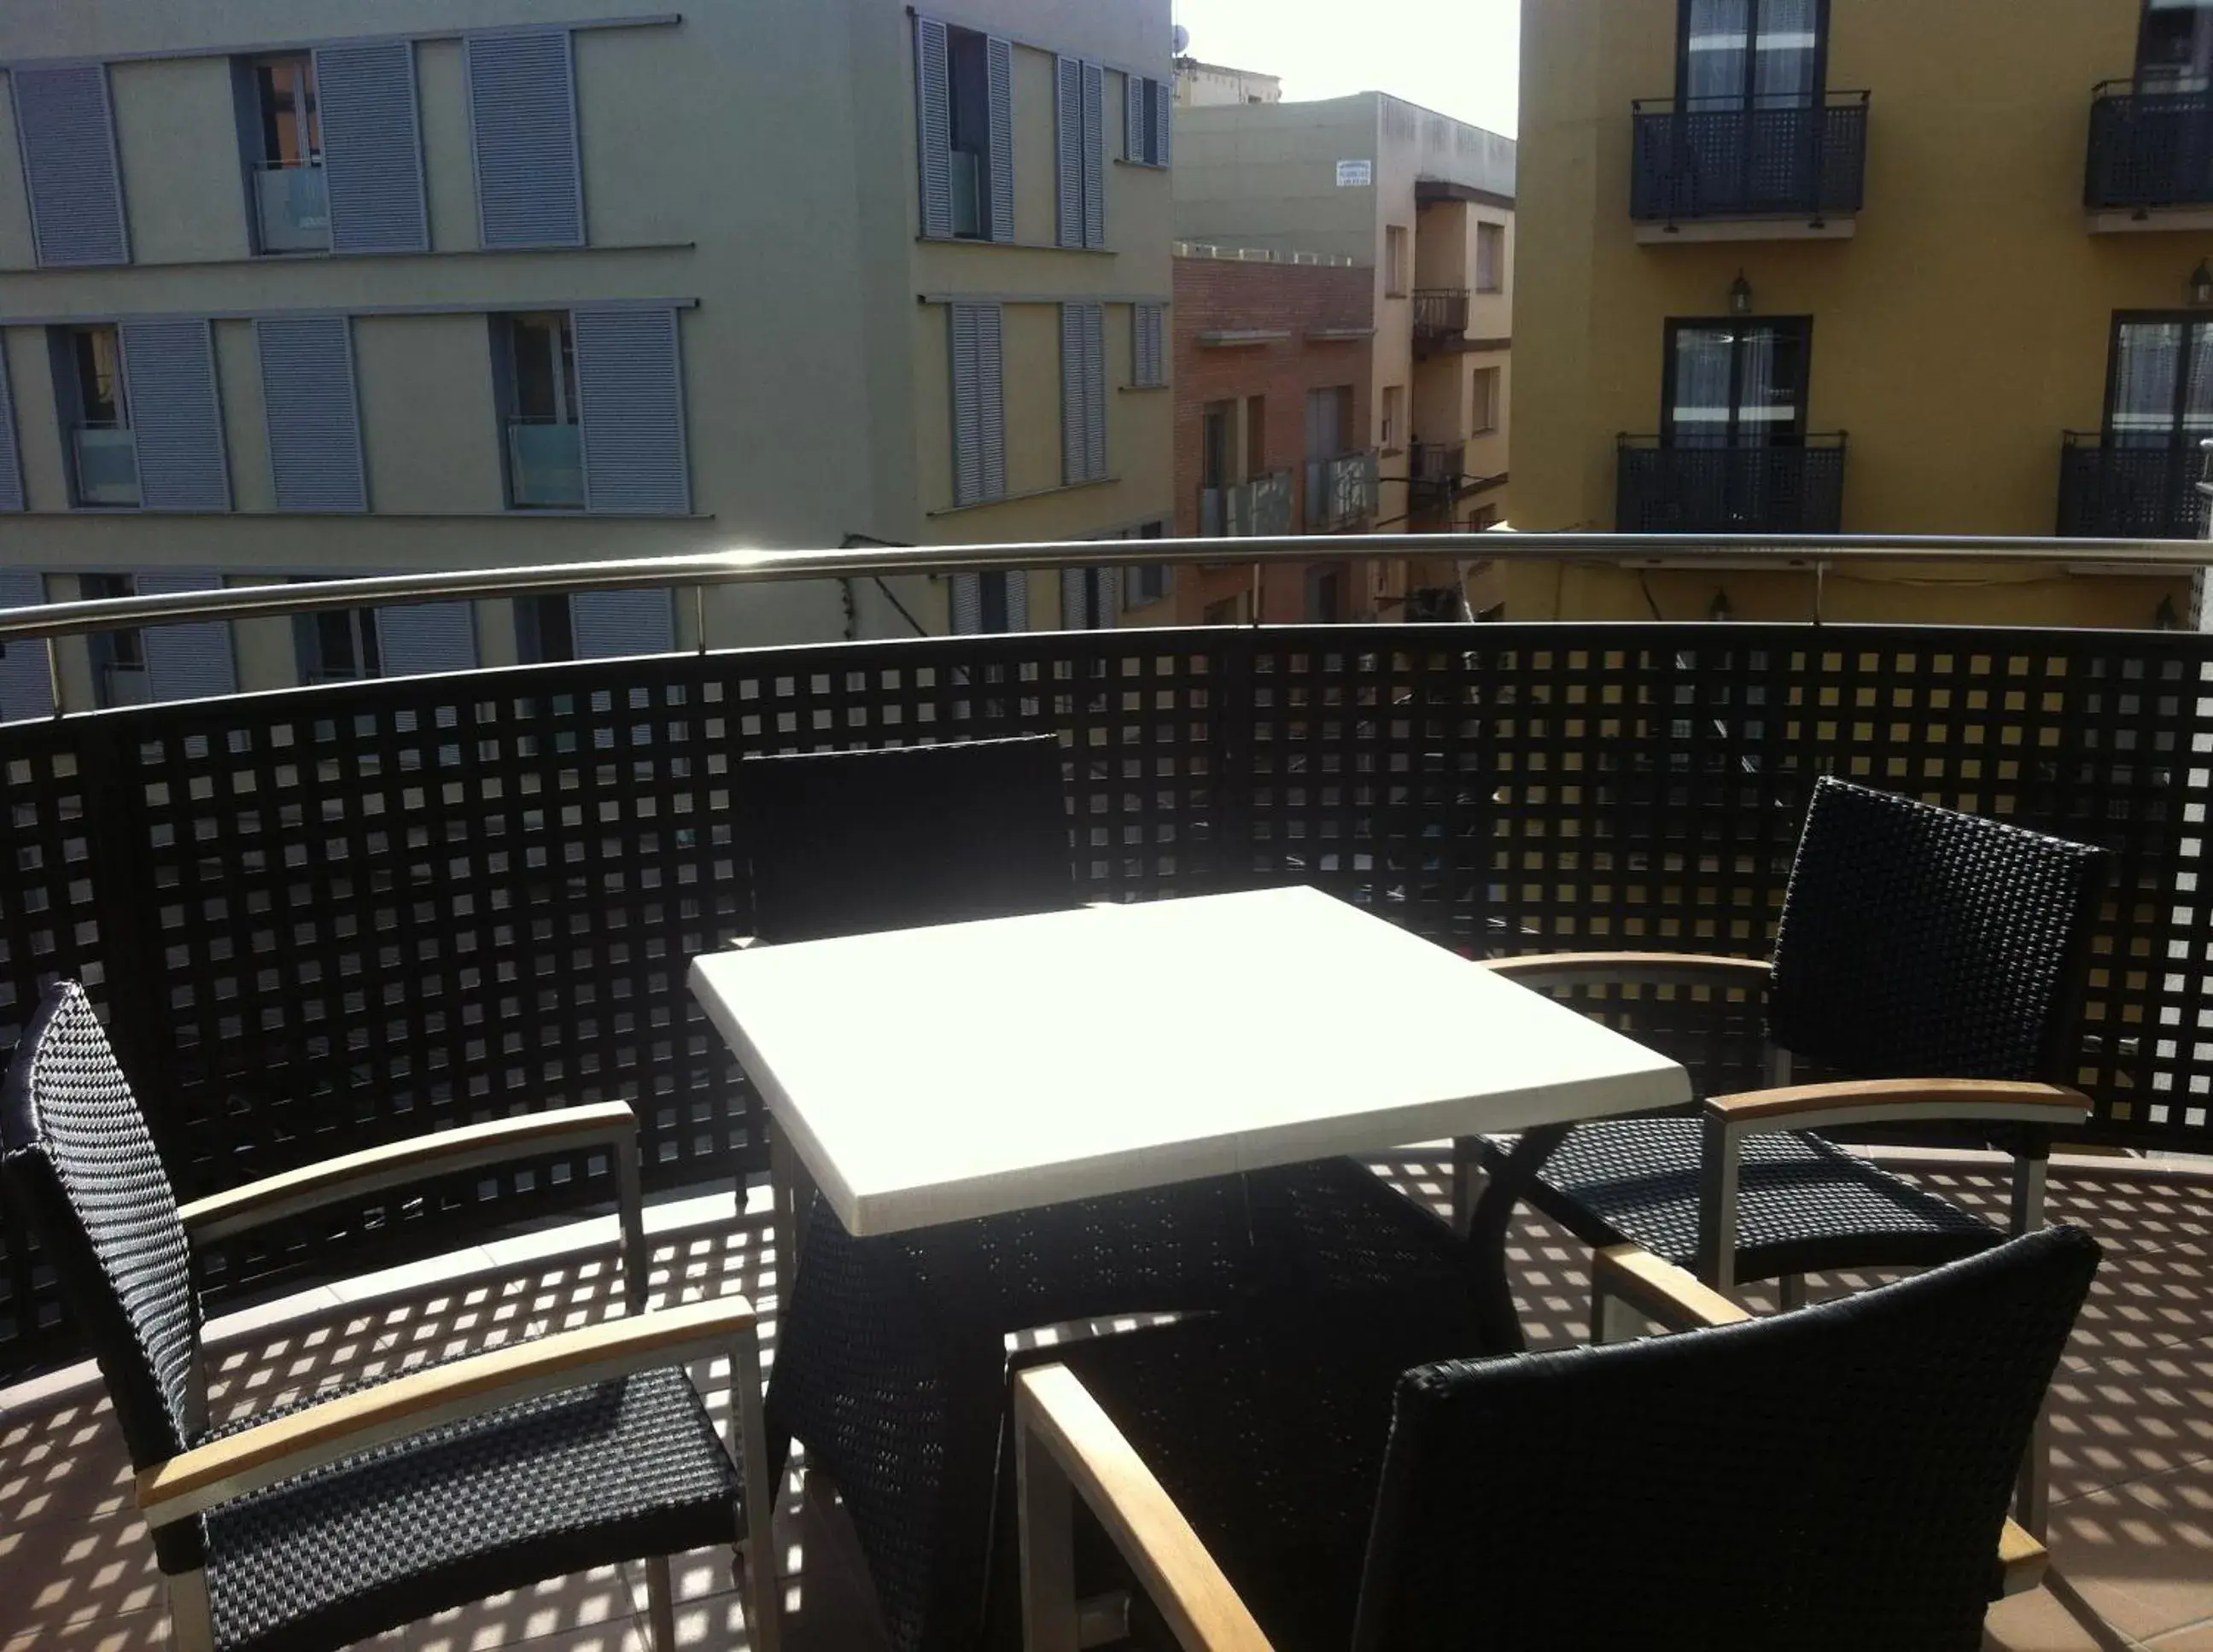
355, 1511
1833, 1479
890, 1362
1937, 956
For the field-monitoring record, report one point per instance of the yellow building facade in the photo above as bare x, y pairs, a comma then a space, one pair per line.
286, 292
1863, 266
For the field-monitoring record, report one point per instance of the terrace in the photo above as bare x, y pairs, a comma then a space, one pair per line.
329, 918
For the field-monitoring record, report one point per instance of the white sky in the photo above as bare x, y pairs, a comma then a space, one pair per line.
1460, 58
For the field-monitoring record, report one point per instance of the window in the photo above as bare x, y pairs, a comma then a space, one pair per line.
1329, 416
1491, 257
1394, 261
1156, 583
1080, 158
339, 646
544, 629
118, 657
1090, 598
1394, 416
979, 425
964, 99
1149, 368
1734, 384
95, 413
1326, 588
2160, 388
989, 603
1148, 120
1083, 393
291, 206
1751, 54
2174, 48
1256, 435
534, 365
1484, 411
1213, 421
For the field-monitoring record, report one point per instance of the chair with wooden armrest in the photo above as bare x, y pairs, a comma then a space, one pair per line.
891, 1361
1830, 1479
355, 1511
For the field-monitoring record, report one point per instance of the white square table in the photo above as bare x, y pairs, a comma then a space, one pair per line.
931, 1076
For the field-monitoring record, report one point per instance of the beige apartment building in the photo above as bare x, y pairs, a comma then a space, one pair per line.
1425, 203
289, 289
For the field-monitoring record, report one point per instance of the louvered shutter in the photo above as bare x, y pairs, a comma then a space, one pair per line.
314, 415
963, 596
522, 132
1094, 391
1068, 153
1001, 55
372, 147
629, 386
1018, 599
69, 172
991, 405
191, 661
1074, 404
1095, 156
612, 625
1136, 101
980, 433
425, 639
176, 415
1148, 333
11, 460
27, 687
1074, 609
1110, 598
933, 103
1164, 117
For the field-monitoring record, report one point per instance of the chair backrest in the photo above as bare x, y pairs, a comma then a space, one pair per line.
83, 1174
845, 843
1918, 943
1834, 1478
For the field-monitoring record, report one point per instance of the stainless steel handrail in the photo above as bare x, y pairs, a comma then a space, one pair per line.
1808, 555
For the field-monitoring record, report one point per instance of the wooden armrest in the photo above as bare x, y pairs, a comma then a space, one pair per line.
1658, 968
1660, 1290
1805, 1106
399, 1163
1084, 1450
1667, 1295
196, 1480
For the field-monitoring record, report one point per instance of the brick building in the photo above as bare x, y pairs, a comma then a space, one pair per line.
1274, 358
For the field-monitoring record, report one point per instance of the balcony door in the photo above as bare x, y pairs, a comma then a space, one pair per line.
2175, 46
1736, 384
1749, 80
2159, 407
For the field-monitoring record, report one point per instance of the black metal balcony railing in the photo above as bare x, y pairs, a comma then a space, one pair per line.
1438, 472
1258, 505
1784, 159
1440, 318
1342, 491
2148, 149
2122, 493
1663, 489
324, 918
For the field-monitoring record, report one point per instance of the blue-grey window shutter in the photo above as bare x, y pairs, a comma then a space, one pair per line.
176, 415
1001, 55
933, 106
1136, 101
1095, 156
630, 384
980, 433
1094, 391
67, 133
1018, 598
964, 596
27, 687
610, 625
1148, 333
11, 458
187, 662
1068, 152
1075, 599
1164, 117
314, 417
425, 639
523, 132
372, 147
1073, 404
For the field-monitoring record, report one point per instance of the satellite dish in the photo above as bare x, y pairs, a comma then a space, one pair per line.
1182, 39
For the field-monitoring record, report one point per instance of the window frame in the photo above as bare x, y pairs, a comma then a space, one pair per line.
1676, 324
1486, 397
1487, 230
1397, 255
64, 356
1747, 98
504, 327
309, 631
2178, 435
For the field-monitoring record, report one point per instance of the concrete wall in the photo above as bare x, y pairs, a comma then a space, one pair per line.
1961, 329
755, 164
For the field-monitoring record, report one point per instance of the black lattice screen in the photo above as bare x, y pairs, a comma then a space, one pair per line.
333, 916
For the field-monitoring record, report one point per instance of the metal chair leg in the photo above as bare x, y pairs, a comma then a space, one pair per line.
1790, 1292
661, 1604
2032, 1500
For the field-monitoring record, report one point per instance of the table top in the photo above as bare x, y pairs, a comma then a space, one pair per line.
934, 1075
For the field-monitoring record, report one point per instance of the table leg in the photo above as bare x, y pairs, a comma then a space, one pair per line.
791, 1197
1493, 1214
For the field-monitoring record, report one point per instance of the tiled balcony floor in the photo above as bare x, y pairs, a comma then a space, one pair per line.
2132, 1528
